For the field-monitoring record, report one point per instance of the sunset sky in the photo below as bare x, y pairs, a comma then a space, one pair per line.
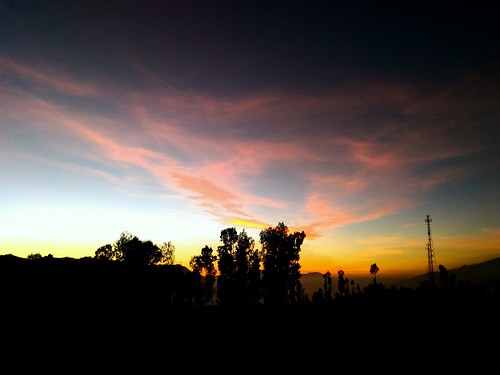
172, 120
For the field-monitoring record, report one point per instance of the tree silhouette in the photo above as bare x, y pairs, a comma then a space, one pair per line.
120, 246
373, 270
130, 250
244, 255
104, 252
226, 264
327, 285
318, 296
141, 254
281, 273
342, 282
205, 263
255, 286
239, 269
443, 276
167, 250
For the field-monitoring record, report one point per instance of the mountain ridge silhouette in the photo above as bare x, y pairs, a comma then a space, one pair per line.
480, 274
485, 273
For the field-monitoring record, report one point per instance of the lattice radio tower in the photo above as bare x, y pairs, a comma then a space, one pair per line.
431, 259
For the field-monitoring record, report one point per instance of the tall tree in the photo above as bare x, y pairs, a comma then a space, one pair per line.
204, 264
120, 246
352, 287
227, 266
342, 282
167, 250
245, 258
373, 270
255, 289
281, 256
327, 285
239, 269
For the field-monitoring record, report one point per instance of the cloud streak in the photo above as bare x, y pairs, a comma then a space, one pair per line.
44, 78
355, 164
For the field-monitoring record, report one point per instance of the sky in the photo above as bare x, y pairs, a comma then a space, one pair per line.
348, 120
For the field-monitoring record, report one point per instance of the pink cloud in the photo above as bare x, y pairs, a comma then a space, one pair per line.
355, 165
187, 181
206, 190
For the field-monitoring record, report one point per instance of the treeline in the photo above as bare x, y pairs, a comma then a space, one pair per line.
237, 273
131, 294
136, 275
133, 274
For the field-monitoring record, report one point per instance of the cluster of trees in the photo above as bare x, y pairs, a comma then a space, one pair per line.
345, 286
248, 275
133, 251
237, 273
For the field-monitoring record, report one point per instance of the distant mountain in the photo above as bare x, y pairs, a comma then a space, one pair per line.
485, 273
312, 281
12, 263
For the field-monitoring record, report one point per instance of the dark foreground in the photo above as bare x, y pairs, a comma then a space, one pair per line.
351, 334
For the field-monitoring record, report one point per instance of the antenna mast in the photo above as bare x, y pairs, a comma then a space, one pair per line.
431, 261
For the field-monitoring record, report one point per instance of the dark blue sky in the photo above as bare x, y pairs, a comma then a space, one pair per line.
227, 47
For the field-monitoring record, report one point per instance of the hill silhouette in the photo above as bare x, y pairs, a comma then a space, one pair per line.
87, 283
70, 301
485, 274
312, 281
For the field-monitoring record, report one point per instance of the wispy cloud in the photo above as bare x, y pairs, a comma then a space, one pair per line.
44, 77
360, 152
